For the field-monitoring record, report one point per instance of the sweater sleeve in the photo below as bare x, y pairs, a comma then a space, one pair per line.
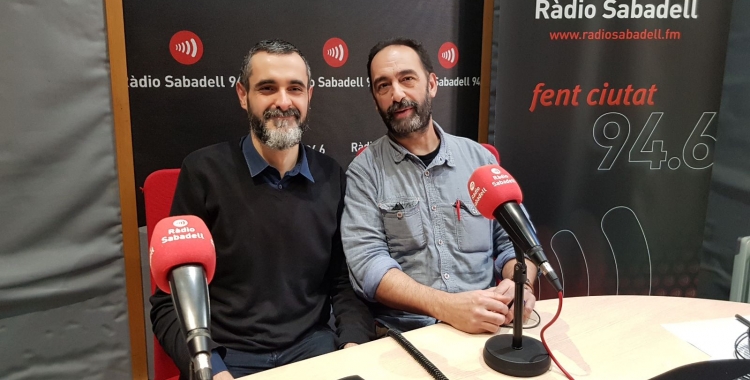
354, 321
187, 201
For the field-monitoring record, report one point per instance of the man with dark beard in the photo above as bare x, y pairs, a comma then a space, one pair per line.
274, 208
415, 244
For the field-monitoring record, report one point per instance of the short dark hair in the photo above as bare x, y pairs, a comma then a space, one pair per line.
275, 47
408, 42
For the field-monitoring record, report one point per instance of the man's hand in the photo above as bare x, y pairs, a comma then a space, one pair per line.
224, 375
476, 311
350, 345
507, 288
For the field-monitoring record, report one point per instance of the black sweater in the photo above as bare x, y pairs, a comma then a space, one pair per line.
279, 260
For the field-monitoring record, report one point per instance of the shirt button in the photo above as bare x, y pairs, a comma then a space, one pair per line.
427, 173
434, 208
281, 186
446, 276
440, 242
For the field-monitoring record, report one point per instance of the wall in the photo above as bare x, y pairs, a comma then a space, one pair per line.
63, 311
728, 215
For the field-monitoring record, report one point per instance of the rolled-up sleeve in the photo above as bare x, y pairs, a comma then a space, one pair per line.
362, 232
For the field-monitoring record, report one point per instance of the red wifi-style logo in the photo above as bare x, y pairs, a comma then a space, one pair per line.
448, 55
186, 47
335, 52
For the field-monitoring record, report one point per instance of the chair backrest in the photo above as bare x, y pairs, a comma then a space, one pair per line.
492, 150
158, 191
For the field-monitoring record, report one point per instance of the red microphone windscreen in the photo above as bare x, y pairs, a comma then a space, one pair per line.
180, 240
490, 186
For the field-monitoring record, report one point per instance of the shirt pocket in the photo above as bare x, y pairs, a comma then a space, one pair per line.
473, 231
402, 221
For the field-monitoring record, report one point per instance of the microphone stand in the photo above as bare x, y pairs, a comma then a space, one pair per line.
517, 355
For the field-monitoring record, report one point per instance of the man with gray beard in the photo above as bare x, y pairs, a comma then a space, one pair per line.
273, 207
416, 246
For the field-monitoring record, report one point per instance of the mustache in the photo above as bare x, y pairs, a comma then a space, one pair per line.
403, 104
271, 113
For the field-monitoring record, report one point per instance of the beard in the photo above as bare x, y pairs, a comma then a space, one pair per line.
285, 135
418, 121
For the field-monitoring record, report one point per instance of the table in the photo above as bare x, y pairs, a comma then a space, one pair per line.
598, 337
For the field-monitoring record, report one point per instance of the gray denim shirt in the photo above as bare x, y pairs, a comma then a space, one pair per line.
401, 214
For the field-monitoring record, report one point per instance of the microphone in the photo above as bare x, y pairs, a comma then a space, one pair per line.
183, 261
496, 195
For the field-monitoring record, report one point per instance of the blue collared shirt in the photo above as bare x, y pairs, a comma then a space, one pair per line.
419, 219
259, 168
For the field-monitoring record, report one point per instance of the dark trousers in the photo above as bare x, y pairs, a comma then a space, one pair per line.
318, 341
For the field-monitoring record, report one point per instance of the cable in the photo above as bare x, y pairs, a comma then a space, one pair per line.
414, 352
538, 321
544, 342
741, 352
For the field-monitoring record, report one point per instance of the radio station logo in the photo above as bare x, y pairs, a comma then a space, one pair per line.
186, 47
180, 223
448, 55
335, 52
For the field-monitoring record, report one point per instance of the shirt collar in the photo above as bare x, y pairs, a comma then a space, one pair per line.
257, 164
399, 153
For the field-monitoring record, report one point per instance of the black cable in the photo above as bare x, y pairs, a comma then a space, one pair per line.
414, 352
538, 321
741, 353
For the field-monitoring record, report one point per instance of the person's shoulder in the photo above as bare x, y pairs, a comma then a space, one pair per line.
221, 151
468, 149
462, 142
368, 158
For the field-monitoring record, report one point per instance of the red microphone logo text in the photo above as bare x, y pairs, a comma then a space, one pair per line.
184, 233
186, 47
502, 179
477, 194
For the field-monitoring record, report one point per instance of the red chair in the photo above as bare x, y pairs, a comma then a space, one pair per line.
158, 191
493, 150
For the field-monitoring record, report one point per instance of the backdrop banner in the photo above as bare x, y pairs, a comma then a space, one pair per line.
606, 114
184, 58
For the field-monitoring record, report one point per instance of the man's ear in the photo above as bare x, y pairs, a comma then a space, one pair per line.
242, 95
433, 84
309, 93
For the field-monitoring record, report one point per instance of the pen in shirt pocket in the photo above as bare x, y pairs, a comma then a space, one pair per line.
458, 209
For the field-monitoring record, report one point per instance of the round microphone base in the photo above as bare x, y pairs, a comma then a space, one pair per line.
531, 360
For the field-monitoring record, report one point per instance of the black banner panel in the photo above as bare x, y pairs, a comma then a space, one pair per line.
184, 58
606, 114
